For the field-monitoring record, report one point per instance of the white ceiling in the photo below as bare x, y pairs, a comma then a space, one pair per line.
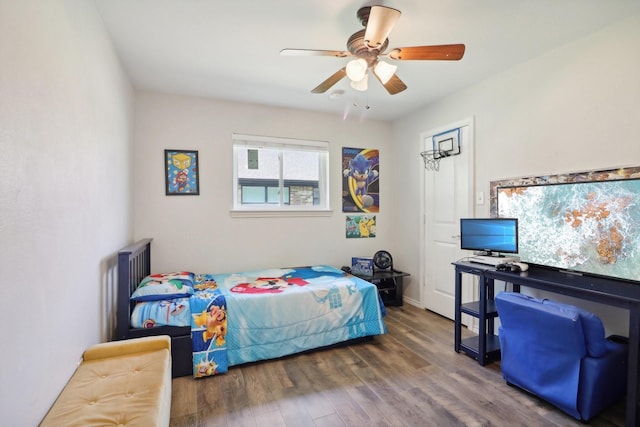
231, 49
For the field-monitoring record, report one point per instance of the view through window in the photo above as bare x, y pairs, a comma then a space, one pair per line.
280, 173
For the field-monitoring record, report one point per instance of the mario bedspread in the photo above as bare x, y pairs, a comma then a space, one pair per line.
244, 317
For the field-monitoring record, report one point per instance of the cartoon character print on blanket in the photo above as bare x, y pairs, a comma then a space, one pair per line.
214, 321
265, 285
219, 332
275, 285
208, 329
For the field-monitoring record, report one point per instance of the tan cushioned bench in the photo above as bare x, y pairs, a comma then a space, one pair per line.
120, 383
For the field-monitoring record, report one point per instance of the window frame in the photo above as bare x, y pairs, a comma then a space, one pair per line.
243, 142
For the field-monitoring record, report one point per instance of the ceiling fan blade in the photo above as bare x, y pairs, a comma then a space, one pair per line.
445, 52
381, 21
394, 85
313, 52
335, 78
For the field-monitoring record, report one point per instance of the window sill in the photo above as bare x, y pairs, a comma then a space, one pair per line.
267, 213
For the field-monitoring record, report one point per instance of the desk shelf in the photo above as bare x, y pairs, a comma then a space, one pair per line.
472, 348
473, 309
485, 346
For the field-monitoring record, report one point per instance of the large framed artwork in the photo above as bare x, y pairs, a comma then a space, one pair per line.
586, 222
614, 174
181, 172
360, 180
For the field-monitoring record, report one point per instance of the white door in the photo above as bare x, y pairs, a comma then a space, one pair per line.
448, 196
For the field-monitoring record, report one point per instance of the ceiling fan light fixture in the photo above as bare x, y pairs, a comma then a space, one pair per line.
357, 69
379, 24
384, 71
367, 46
362, 85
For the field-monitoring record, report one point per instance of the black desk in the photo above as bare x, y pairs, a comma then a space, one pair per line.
389, 284
605, 291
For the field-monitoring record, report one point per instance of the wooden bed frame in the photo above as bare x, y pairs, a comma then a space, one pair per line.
134, 264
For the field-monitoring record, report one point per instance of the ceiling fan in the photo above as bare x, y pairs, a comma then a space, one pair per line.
368, 45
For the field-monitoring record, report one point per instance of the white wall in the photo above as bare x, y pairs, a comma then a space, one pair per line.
65, 195
575, 108
198, 232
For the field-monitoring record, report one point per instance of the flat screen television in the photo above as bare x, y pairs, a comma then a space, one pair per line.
489, 235
584, 227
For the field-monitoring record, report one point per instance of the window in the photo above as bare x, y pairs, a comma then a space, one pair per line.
280, 175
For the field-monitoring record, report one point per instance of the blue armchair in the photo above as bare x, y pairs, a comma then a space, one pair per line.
559, 353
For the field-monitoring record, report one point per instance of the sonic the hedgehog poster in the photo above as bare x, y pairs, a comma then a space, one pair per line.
360, 180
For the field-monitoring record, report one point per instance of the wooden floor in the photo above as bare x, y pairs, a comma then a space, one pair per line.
409, 377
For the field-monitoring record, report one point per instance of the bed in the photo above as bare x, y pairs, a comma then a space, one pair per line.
216, 321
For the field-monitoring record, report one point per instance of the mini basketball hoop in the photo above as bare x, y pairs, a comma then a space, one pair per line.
432, 159
445, 144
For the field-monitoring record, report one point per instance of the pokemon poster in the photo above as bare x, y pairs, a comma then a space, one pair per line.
360, 226
360, 180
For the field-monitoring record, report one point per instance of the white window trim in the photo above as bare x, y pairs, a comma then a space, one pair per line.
258, 141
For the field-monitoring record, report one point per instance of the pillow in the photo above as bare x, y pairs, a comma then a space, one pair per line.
185, 276
164, 286
150, 314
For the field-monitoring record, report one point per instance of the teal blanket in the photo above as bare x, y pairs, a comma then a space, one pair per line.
264, 314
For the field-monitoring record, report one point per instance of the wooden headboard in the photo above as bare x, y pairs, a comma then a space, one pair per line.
134, 264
